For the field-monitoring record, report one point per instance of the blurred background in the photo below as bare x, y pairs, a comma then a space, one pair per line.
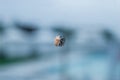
28, 29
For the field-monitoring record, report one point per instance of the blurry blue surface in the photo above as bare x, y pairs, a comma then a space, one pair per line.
28, 29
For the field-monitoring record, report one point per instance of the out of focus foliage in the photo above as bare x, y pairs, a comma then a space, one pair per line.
28, 29
108, 35
67, 32
1, 28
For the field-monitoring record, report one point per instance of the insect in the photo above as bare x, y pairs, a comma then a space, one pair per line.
59, 40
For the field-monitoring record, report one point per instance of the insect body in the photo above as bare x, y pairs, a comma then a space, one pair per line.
59, 40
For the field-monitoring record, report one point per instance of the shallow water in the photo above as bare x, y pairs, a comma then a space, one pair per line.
72, 66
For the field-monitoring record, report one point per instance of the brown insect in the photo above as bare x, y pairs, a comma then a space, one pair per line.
59, 40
